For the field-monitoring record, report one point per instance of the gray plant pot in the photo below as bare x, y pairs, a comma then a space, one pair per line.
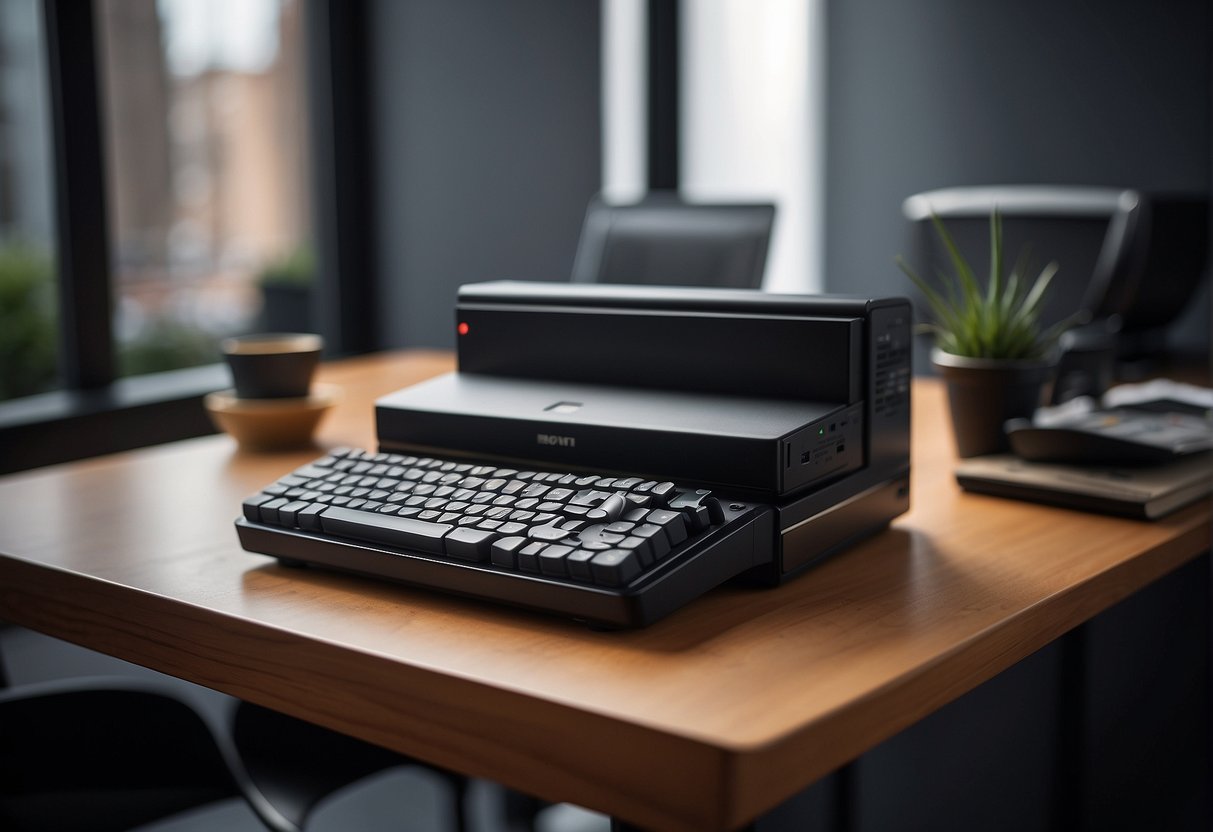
983, 393
286, 307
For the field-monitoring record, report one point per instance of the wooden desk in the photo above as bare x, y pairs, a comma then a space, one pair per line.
701, 722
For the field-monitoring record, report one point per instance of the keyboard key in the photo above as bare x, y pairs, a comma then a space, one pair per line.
528, 556
549, 534
535, 489
504, 552
642, 549
615, 567
589, 497
640, 500
252, 506
697, 508
671, 523
470, 544
309, 518
551, 560
578, 564
269, 511
658, 542
609, 510
598, 539
405, 532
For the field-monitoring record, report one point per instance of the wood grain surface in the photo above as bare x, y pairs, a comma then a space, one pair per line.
700, 722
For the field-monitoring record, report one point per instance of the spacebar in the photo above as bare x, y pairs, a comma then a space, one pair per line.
383, 528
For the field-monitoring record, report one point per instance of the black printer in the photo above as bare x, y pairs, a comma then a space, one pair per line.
611, 452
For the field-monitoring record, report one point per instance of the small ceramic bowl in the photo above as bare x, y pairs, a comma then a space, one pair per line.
271, 424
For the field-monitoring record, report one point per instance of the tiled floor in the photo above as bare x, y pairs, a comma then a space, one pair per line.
405, 799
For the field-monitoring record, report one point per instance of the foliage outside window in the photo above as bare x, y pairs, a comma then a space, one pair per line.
27, 321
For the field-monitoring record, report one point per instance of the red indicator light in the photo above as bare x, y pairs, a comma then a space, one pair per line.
463, 328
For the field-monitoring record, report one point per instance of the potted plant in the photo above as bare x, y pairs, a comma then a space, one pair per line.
286, 291
990, 346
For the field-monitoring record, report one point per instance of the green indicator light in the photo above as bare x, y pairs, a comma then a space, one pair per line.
821, 431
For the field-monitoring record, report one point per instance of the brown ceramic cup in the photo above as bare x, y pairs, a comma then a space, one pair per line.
276, 365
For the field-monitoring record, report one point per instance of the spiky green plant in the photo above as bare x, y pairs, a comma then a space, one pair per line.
1001, 320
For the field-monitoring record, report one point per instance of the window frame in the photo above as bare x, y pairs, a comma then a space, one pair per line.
95, 412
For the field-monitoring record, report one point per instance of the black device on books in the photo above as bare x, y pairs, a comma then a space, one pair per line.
609, 453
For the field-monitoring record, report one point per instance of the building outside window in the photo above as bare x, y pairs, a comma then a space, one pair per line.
206, 154
206, 151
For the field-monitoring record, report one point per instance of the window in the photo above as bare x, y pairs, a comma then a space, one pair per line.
158, 196
28, 351
161, 232
205, 128
734, 112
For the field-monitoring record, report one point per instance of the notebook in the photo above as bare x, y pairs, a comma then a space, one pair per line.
1146, 492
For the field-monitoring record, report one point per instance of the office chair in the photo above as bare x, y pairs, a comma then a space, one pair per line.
1090, 232
1128, 257
1157, 274
664, 241
101, 755
92, 754
1104, 240
295, 764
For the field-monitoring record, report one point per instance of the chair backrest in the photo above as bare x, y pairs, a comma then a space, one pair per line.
97, 755
1164, 259
1090, 232
1129, 258
664, 241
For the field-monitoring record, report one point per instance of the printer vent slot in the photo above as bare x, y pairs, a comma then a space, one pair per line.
892, 378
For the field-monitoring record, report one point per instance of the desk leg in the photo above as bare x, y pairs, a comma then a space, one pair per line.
844, 798
1068, 800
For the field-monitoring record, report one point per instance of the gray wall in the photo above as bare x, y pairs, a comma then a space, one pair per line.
937, 93
487, 147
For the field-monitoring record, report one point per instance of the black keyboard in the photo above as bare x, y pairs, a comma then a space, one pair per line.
607, 549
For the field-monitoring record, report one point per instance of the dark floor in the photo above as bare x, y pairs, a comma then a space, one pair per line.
404, 799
